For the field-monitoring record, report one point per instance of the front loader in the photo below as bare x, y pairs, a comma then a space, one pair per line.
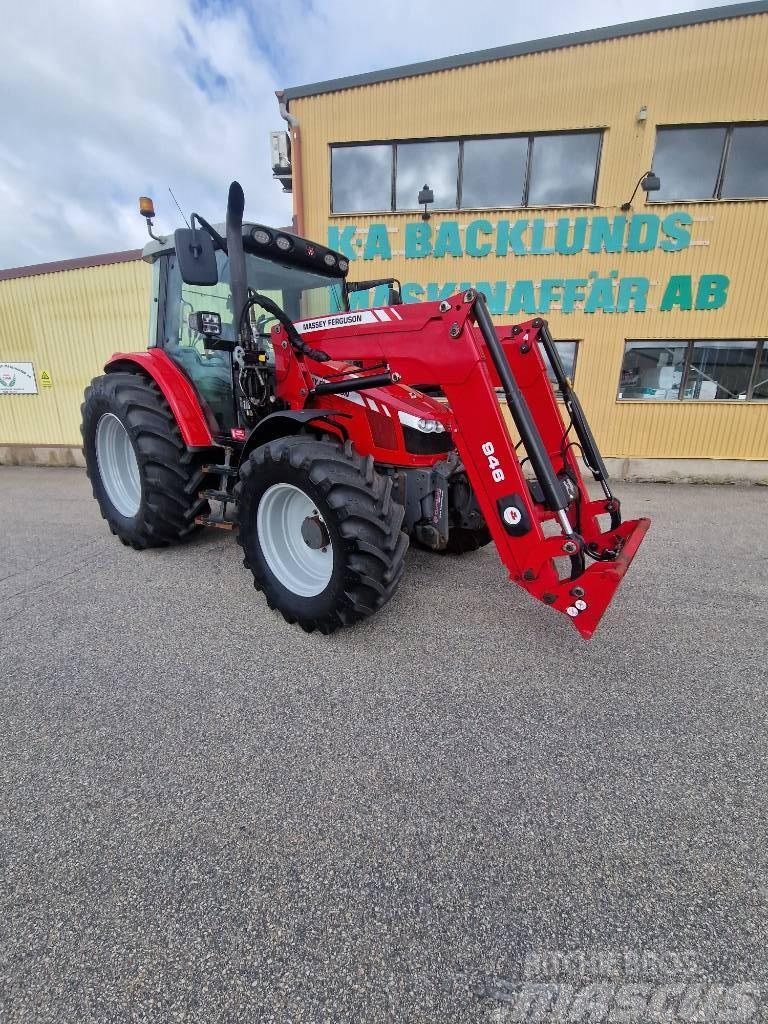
265, 404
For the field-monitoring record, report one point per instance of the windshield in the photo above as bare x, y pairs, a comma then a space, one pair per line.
300, 292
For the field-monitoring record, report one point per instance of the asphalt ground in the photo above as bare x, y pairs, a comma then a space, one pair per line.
207, 815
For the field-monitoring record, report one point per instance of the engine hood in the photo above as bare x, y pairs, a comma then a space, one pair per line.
398, 398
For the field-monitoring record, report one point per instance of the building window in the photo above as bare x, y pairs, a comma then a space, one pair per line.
563, 170
760, 379
436, 163
652, 370
720, 369
746, 169
698, 371
711, 162
567, 352
494, 172
555, 169
362, 178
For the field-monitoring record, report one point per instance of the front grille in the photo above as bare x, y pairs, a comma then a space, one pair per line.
383, 429
417, 442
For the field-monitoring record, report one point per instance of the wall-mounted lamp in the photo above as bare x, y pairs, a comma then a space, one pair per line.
642, 114
426, 196
649, 182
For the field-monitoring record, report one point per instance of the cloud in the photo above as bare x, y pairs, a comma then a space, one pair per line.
119, 100
104, 102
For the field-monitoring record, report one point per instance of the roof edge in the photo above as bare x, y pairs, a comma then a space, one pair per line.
81, 263
630, 28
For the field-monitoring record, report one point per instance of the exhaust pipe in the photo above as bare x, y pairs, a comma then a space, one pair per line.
237, 273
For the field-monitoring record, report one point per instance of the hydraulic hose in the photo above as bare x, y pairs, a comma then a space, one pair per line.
297, 342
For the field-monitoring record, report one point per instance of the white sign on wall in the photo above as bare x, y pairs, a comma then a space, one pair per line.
17, 379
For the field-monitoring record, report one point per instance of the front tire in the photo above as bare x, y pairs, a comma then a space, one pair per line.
320, 531
143, 476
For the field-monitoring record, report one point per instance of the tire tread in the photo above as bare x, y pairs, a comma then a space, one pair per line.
368, 519
172, 475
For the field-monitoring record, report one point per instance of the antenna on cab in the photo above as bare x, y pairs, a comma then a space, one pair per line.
173, 197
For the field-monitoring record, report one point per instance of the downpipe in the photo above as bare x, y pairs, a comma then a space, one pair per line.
298, 191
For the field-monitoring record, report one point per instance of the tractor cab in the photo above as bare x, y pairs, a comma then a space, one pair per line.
195, 325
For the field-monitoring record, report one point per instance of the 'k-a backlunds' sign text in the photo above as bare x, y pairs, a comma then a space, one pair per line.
566, 236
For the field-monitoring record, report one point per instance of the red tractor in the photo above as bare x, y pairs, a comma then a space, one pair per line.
265, 402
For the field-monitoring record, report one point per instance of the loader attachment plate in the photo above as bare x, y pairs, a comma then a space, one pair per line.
601, 579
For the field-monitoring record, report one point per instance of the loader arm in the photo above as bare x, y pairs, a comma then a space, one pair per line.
546, 530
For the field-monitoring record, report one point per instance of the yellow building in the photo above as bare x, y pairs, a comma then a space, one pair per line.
531, 153
59, 323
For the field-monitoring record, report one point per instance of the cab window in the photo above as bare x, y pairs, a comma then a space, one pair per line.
210, 370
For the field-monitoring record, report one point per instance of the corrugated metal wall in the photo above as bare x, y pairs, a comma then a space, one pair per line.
710, 72
67, 323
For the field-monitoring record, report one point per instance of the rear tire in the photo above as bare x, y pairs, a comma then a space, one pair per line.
345, 559
143, 476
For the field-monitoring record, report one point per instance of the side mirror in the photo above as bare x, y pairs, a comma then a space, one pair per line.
196, 256
394, 296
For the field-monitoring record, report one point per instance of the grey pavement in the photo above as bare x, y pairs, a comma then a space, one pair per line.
207, 815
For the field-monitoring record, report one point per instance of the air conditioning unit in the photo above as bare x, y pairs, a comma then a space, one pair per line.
280, 146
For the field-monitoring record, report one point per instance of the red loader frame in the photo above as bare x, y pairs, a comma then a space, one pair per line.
547, 531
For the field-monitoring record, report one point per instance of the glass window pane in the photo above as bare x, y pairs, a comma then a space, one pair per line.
567, 353
361, 178
746, 172
563, 169
209, 369
432, 163
720, 369
494, 172
652, 370
760, 389
687, 161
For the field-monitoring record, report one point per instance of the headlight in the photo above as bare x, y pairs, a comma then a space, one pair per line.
343, 265
330, 259
261, 236
283, 243
426, 426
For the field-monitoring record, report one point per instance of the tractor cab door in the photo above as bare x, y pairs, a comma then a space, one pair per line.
210, 370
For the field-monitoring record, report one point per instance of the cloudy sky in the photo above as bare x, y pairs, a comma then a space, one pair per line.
105, 101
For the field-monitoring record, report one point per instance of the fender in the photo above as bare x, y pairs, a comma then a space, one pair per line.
283, 424
176, 389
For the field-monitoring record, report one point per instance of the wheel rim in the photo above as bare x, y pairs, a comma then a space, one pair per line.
301, 568
118, 467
